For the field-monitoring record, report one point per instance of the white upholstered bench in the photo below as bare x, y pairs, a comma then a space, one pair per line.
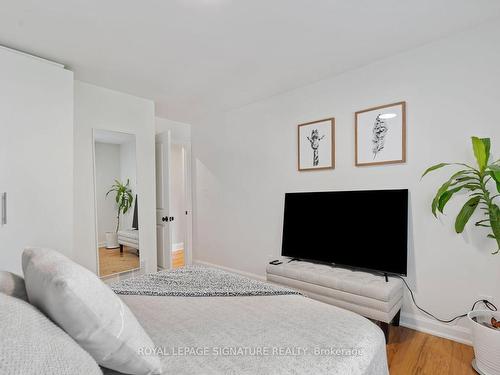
128, 237
364, 293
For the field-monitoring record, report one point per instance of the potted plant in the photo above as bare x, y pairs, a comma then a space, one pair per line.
482, 184
124, 200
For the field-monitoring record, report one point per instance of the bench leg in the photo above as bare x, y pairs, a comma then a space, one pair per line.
395, 320
385, 328
121, 248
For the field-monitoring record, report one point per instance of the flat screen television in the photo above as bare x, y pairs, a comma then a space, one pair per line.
366, 230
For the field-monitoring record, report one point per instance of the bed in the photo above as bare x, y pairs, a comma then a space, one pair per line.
258, 334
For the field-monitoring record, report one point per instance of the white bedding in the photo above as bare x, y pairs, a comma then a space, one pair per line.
295, 325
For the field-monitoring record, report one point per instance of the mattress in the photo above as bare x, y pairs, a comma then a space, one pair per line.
286, 334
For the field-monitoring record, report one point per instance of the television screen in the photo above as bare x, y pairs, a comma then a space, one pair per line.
359, 229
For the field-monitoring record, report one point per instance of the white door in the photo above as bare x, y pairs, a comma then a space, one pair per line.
36, 157
188, 211
163, 217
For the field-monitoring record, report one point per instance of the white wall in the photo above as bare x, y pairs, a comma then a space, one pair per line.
245, 160
177, 199
107, 169
100, 108
36, 156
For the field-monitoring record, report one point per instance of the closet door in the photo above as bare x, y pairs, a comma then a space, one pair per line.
36, 156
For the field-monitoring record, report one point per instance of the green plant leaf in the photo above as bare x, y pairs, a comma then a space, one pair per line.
467, 178
440, 165
498, 184
446, 196
494, 214
487, 147
495, 174
441, 191
434, 167
465, 214
450, 183
495, 217
479, 148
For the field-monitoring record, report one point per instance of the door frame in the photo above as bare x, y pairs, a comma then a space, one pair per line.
188, 194
165, 155
188, 191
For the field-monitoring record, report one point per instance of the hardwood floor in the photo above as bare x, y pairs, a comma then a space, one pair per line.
410, 352
111, 261
178, 258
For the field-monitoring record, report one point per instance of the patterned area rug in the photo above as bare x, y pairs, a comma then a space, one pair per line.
197, 281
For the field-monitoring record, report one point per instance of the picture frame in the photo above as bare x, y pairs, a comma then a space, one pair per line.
380, 135
316, 145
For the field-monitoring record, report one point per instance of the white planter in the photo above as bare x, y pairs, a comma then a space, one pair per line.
112, 240
486, 343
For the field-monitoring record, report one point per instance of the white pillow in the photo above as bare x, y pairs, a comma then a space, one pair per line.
12, 285
89, 311
30, 344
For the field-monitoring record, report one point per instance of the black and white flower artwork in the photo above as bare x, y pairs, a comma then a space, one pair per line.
316, 145
380, 130
381, 135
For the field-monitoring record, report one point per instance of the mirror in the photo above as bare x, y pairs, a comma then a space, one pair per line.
115, 180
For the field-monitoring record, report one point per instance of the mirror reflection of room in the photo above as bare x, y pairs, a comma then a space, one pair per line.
116, 202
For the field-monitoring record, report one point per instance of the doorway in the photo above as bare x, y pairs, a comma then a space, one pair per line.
173, 197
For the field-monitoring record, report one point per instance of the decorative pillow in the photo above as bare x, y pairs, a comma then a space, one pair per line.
12, 285
31, 344
89, 311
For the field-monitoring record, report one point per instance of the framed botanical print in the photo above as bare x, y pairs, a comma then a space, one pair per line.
380, 135
316, 145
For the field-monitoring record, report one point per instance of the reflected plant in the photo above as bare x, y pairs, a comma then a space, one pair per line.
477, 182
123, 199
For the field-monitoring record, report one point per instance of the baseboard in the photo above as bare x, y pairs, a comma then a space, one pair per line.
243, 273
102, 244
435, 328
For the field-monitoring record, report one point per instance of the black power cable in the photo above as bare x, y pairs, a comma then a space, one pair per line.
488, 304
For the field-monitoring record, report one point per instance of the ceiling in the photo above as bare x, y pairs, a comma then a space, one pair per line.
193, 56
